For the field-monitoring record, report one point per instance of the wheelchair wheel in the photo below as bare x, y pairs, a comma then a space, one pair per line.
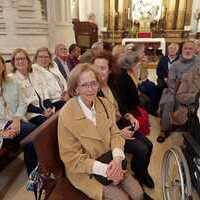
176, 181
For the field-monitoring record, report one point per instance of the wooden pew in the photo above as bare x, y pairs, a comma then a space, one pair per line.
46, 144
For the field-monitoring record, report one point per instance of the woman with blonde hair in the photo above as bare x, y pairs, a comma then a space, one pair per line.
13, 125
136, 143
56, 85
86, 131
33, 88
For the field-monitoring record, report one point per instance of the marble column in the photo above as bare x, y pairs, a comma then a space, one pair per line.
98, 9
121, 17
112, 14
74, 6
170, 15
85, 8
60, 25
180, 20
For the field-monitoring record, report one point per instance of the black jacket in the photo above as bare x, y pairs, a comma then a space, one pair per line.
162, 68
125, 92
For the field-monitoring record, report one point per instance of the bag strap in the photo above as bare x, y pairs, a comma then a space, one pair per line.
40, 100
104, 107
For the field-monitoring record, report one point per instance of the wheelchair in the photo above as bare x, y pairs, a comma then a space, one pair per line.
181, 164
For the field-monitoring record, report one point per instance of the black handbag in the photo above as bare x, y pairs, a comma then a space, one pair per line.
107, 158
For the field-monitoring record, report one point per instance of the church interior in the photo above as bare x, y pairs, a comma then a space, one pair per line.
155, 25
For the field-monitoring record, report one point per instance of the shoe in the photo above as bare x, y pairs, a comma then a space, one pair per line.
161, 138
146, 197
163, 135
148, 182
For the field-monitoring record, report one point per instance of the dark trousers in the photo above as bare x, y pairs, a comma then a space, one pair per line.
58, 104
141, 149
30, 157
38, 120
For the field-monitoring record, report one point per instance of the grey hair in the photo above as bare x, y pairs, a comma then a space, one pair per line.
97, 45
128, 59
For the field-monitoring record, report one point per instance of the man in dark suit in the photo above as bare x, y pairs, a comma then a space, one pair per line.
61, 60
164, 66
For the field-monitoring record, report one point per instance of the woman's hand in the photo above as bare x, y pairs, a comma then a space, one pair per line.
127, 133
8, 133
115, 171
65, 96
133, 120
118, 115
15, 126
49, 112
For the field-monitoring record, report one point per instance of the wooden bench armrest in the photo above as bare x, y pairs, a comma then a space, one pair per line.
34, 134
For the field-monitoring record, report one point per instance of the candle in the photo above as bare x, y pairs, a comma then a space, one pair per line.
129, 17
120, 6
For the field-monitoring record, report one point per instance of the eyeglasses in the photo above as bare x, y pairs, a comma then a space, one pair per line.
43, 57
91, 84
20, 59
63, 49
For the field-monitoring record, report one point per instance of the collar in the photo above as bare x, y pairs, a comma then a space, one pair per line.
187, 60
84, 107
20, 76
171, 60
62, 61
89, 113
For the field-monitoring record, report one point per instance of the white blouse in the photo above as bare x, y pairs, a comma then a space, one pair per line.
34, 83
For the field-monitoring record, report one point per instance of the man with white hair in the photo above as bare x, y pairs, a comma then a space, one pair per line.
165, 64
61, 56
169, 103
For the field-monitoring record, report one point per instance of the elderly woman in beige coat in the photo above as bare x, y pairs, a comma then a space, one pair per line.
87, 130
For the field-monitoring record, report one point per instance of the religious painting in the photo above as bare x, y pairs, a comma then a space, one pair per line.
145, 9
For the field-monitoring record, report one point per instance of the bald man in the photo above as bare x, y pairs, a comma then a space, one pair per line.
61, 56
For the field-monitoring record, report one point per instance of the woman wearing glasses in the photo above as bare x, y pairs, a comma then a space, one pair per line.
87, 130
13, 127
56, 85
136, 143
33, 88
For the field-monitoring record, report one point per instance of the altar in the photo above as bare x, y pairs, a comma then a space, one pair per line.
129, 18
154, 48
160, 41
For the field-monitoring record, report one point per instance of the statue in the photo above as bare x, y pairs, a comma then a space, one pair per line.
147, 11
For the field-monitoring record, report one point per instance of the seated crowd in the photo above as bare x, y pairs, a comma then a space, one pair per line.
106, 98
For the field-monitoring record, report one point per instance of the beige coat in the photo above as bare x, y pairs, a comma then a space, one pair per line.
81, 142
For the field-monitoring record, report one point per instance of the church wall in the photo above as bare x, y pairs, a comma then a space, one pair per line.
59, 23
22, 25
